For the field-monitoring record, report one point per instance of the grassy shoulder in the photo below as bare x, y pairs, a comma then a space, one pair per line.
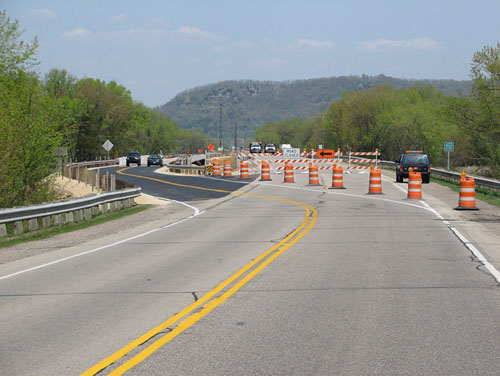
484, 194
52, 231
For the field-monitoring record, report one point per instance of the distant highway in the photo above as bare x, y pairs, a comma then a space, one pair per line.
261, 278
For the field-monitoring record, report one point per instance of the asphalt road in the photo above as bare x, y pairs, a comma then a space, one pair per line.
177, 187
337, 282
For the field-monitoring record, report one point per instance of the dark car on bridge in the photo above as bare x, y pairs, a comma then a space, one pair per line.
418, 161
133, 157
155, 159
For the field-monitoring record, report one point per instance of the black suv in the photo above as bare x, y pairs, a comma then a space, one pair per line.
133, 157
416, 159
155, 159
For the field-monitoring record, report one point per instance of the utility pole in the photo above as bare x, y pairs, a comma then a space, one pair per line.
235, 136
220, 127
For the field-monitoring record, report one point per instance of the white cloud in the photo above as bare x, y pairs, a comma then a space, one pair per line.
193, 30
316, 43
44, 13
418, 44
119, 17
75, 33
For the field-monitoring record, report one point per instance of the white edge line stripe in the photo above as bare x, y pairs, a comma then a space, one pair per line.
494, 272
197, 212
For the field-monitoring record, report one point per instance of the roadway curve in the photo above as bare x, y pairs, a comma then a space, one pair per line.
271, 278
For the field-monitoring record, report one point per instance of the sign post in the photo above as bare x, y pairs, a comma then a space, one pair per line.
449, 147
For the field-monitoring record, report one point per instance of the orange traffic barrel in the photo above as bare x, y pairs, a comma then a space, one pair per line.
243, 170
289, 173
375, 185
265, 172
216, 165
227, 169
337, 178
467, 194
414, 184
313, 175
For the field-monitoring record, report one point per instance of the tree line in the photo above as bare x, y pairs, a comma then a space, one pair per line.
420, 117
42, 117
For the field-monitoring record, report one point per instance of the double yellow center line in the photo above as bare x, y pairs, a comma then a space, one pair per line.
213, 298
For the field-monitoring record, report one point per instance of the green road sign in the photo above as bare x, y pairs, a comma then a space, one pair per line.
449, 147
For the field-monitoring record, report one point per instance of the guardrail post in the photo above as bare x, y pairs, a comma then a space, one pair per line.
78, 174
113, 182
79, 215
3, 230
33, 224
104, 208
98, 180
46, 222
57, 219
18, 228
95, 211
87, 214
69, 217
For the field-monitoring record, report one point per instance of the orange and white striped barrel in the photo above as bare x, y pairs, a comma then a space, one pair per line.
265, 172
243, 170
227, 169
467, 194
337, 178
216, 166
375, 185
289, 173
313, 175
414, 184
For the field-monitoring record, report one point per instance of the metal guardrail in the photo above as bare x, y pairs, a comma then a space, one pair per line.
46, 211
480, 181
106, 162
186, 169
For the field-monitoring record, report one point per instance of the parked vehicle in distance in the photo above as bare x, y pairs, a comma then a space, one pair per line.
155, 159
270, 148
133, 157
255, 147
416, 159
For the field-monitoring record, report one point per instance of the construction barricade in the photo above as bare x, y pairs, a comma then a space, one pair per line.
244, 170
375, 184
414, 184
288, 174
313, 175
337, 178
265, 172
216, 166
467, 194
354, 162
227, 169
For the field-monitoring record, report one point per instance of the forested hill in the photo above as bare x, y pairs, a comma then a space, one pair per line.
253, 103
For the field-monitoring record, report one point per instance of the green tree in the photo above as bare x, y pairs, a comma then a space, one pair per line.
15, 54
29, 138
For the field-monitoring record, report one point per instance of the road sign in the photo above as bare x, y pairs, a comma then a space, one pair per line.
107, 145
325, 153
449, 147
210, 147
291, 153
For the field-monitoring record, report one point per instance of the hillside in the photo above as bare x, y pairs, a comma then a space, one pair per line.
251, 104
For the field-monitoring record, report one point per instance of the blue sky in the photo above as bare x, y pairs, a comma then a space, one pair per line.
160, 48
